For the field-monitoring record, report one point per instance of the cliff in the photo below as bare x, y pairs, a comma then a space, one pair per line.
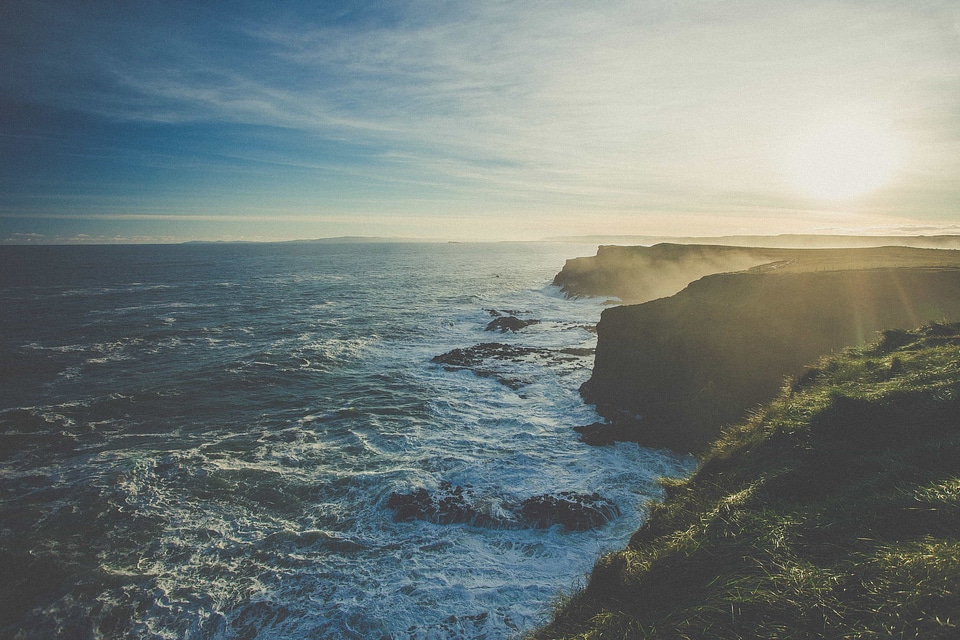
832, 512
640, 274
670, 372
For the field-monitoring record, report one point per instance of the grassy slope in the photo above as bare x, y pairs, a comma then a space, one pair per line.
833, 512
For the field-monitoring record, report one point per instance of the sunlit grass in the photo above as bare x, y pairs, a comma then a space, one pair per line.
834, 511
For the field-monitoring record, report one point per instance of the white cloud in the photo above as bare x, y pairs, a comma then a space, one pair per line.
626, 106
614, 99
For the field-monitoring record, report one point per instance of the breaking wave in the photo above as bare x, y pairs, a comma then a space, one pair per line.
203, 441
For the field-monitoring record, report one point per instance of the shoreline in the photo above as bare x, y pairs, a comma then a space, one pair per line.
831, 512
842, 427
671, 371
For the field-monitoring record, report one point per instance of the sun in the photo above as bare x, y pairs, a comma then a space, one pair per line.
843, 161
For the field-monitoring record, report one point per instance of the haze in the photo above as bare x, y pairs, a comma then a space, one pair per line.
162, 122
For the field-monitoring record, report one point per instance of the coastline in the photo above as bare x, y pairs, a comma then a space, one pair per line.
831, 512
820, 454
669, 372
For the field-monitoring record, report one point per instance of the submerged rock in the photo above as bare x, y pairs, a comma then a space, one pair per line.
509, 323
448, 505
600, 434
498, 360
474, 356
575, 511
452, 504
483, 359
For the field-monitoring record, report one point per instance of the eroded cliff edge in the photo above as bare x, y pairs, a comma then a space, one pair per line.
670, 372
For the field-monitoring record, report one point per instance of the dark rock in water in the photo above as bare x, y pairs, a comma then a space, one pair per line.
448, 505
475, 355
509, 323
578, 351
598, 434
451, 504
499, 361
575, 511
481, 359
411, 506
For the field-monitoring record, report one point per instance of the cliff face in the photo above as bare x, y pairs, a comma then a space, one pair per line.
670, 372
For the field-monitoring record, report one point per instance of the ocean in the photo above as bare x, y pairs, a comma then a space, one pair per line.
209, 440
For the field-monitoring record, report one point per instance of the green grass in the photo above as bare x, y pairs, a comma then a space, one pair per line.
834, 512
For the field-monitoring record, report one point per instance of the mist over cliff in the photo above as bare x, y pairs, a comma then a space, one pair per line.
639, 273
671, 371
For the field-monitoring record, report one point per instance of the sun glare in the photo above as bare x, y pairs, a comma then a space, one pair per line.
843, 161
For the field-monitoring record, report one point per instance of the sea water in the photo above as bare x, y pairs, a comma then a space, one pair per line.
199, 441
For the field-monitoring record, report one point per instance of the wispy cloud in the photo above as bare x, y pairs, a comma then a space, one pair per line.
627, 106
590, 99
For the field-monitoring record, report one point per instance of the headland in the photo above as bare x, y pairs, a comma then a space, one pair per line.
827, 497
832, 512
669, 372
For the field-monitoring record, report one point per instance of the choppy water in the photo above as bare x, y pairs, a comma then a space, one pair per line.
199, 441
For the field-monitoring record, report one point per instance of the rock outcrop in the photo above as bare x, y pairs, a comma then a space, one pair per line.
509, 323
575, 511
454, 504
498, 360
639, 274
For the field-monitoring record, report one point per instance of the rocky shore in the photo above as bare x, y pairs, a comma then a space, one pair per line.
449, 504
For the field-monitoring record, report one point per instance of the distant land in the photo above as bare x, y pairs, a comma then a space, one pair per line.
784, 241
333, 240
370, 240
362, 239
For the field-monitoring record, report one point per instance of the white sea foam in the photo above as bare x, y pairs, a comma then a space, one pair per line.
232, 468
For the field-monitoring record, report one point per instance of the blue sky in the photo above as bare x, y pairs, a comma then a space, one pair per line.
169, 121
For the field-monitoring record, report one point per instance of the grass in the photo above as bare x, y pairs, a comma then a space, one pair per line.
833, 511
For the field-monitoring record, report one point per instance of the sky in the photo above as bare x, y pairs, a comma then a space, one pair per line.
126, 121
